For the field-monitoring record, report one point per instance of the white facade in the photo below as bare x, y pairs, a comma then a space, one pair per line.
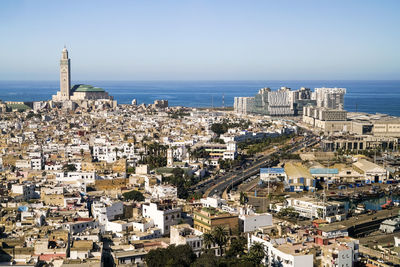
330, 97
80, 226
164, 191
81, 177
280, 103
110, 153
163, 218
309, 208
277, 254
250, 223
183, 234
27, 191
243, 105
213, 202
105, 212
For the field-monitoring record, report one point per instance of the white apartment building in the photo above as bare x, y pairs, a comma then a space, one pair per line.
341, 252
251, 222
163, 215
183, 234
52, 166
164, 191
279, 252
243, 105
106, 210
332, 98
26, 191
280, 103
80, 225
213, 202
73, 177
149, 234
311, 208
110, 153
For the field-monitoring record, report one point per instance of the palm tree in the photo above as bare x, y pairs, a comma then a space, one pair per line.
189, 151
257, 253
220, 237
243, 198
208, 240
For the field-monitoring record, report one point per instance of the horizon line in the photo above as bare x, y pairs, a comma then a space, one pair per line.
204, 80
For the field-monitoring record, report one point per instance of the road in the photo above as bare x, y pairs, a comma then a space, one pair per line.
217, 186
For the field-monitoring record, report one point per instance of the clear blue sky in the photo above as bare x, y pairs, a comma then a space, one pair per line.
201, 40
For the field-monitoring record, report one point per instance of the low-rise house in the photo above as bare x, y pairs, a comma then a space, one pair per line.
183, 234
164, 214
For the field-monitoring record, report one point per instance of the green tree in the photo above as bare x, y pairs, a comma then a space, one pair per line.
320, 213
219, 128
236, 248
220, 238
243, 198
207, 259
256, 253
181, 255
69, 168
208, 240
133, 195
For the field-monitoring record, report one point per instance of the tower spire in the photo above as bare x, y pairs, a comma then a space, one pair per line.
65, 75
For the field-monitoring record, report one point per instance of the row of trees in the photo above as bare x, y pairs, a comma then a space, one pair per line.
183, 255
228, 163
221, 128
182, 180
257, 146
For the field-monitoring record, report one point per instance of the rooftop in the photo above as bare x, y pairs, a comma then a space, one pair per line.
272, 170
324, 171
86, 88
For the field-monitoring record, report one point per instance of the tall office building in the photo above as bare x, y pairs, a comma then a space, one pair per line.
332, 98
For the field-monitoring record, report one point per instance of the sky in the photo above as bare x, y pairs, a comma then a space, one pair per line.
201, 40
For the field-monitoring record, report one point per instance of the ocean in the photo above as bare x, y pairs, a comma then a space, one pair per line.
362, 96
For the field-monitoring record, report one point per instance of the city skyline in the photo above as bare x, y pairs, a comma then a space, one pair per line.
202, 41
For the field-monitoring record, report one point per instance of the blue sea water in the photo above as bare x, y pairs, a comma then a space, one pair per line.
363, 96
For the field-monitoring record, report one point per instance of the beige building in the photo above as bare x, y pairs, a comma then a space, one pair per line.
207, 219
328, 120
387, 128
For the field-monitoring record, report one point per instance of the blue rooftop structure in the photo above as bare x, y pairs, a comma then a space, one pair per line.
324, 171
272, 170
23, 208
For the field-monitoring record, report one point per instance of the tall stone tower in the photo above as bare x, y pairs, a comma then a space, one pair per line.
170, 158
65, 75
